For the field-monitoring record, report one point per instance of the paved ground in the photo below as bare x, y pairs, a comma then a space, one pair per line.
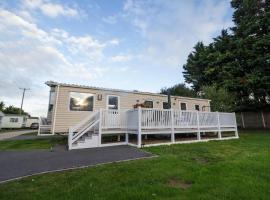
19, 164
11, 134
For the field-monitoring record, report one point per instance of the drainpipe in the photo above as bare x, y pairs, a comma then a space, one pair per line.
55, 109
169, 100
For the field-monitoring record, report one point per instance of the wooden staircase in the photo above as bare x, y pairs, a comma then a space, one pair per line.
86, 133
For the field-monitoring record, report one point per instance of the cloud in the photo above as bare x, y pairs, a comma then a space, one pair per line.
171, 28
121, 58
110, 19
29, 56
114, 42
51, 9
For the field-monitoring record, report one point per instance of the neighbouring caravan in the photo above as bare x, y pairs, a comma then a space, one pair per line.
1, 117
32, 122
13, 121
98, 117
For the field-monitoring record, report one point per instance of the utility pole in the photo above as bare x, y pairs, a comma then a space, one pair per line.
24, 89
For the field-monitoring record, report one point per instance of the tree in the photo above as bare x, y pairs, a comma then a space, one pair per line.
196, 64
179, 90
14, 110
221, 99
2, 106
239, 62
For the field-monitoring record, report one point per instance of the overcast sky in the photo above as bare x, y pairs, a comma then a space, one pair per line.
125, 44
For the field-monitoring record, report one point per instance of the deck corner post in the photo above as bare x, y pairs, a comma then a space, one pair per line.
219, 130
100, 127
243, 120
69, 139
236, 130
172, 126
263, 120
198, 126
139, 127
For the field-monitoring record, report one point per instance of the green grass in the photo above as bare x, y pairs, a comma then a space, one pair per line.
233, 169
29, 144
31, 134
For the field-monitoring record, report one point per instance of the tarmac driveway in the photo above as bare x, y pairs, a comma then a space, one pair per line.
15, 133
19, 164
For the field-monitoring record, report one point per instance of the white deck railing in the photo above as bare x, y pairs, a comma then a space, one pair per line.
151, 121
162, 119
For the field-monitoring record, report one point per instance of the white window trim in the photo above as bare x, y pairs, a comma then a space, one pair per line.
107, 101
180, 105
94, 98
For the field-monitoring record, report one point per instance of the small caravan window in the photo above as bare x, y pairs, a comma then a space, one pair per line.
113, 102
197, 107
166, 105
183, 106
81, 101
148, 104
13, 120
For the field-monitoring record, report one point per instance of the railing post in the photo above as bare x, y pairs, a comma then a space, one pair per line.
70, 131
198, 127
243, 120
172, 126
236, 130
219, 130
100, 127
39, 126
139, 140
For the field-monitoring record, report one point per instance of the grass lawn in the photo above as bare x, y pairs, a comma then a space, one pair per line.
233, 169
30, 144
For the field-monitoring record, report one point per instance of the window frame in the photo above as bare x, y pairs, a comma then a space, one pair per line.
195, 107
152, 103
94, 97
163, 105
107, 101
13, 119
180, 102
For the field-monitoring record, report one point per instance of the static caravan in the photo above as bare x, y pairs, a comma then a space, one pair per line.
13, 121
32, 122
89, 115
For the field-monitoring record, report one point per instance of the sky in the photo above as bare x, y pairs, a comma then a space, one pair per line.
123, 44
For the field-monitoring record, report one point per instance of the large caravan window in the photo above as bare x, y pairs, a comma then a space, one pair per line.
81, 101
148, 104
183, 106
113, 102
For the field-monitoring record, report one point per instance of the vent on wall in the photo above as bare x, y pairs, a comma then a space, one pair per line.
99, 97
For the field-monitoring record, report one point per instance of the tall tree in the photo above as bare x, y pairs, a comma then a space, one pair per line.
240, 61
221, 99
179, 90
14, 110
2, 106
196, 64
